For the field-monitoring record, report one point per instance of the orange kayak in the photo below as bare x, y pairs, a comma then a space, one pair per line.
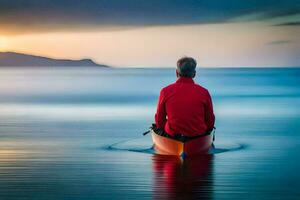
168, 146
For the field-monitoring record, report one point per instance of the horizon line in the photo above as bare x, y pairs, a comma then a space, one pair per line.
151, 67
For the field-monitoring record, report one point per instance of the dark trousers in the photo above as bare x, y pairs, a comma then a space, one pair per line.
178, 137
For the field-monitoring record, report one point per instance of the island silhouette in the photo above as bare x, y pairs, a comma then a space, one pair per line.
13, 59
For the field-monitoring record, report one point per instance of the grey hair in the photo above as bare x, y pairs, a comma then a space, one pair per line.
186, 67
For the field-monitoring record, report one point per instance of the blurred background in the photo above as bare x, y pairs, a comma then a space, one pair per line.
80, 77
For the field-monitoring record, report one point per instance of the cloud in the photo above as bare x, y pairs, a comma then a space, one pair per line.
288, 24
22, 16
279, 42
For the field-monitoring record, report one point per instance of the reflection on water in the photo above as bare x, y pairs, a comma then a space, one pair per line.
56, 126
175, 178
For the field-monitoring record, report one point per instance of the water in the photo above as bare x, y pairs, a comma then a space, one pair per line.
56, 126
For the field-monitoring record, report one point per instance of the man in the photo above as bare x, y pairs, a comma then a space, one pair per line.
185, 108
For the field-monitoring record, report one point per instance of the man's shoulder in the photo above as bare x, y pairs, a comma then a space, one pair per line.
203, 91
168, 87
172, 86
199, 87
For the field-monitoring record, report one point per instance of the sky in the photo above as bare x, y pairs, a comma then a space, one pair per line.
155, 33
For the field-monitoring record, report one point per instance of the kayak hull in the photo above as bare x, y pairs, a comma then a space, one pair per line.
167, 146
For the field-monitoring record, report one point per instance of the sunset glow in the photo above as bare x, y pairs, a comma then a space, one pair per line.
219, 45
241, 34
3, 44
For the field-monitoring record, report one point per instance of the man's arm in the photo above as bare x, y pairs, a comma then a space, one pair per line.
160, 116
209, 113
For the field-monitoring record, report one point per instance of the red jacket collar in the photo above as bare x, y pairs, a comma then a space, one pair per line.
184, 80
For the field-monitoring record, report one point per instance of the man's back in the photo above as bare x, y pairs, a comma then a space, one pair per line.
185, 108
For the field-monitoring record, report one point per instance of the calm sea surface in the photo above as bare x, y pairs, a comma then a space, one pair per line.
74, 133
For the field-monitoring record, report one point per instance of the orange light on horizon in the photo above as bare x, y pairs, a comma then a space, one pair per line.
213, 45
3, 43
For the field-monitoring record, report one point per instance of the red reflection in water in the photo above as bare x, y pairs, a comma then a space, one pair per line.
175, 178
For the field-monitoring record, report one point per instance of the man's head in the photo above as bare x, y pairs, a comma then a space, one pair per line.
186, 67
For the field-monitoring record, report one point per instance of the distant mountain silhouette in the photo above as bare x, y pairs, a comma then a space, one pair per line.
22, 60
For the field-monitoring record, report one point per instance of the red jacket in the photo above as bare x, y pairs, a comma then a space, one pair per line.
185, 108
